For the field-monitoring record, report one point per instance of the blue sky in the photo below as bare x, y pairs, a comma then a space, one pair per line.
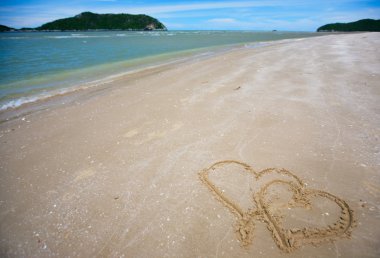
296, 15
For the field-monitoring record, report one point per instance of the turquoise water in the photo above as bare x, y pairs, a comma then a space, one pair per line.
37, 65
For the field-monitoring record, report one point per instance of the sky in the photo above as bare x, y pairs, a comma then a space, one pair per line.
289, 15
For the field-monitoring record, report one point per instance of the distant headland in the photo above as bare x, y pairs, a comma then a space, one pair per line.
361, 25
88, 21
4, 28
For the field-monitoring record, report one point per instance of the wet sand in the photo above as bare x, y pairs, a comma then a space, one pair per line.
118, 172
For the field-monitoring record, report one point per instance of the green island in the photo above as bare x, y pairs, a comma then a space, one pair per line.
361, 25
93, 21
4, 28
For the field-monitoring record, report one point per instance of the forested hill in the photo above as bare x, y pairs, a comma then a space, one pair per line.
361, 25
93, 21
4, 28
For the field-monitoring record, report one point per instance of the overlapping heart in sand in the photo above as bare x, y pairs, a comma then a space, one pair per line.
287, 239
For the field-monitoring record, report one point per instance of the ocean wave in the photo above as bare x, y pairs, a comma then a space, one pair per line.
154, 34
15, 103
14, 37
76, 36
18, 102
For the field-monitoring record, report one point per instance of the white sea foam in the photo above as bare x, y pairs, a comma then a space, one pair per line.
14, 37
62, 76
15, 103
72, 36
18, 102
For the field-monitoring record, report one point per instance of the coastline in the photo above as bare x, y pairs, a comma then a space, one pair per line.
114, 170
123, 68
25, 105
132, 69
18, 88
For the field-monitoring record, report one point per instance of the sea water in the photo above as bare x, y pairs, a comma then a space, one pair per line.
37, 65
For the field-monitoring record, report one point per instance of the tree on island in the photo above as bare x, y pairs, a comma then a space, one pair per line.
93, 21
361, 25
4, 28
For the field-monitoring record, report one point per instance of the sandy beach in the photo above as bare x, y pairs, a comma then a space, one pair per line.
126, 170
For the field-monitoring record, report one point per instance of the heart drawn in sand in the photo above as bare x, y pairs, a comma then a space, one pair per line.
287, 239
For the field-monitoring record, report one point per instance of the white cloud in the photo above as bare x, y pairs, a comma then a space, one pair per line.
200, 6
34, 14
240, 14
151, 9
222, 20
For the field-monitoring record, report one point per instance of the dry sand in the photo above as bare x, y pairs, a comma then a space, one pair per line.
116, 172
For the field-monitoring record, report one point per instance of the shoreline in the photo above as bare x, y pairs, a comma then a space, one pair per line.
140, 66
25, 105
128, 168
30, 88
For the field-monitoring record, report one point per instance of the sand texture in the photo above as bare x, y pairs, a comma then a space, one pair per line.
254, 152
287, 240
